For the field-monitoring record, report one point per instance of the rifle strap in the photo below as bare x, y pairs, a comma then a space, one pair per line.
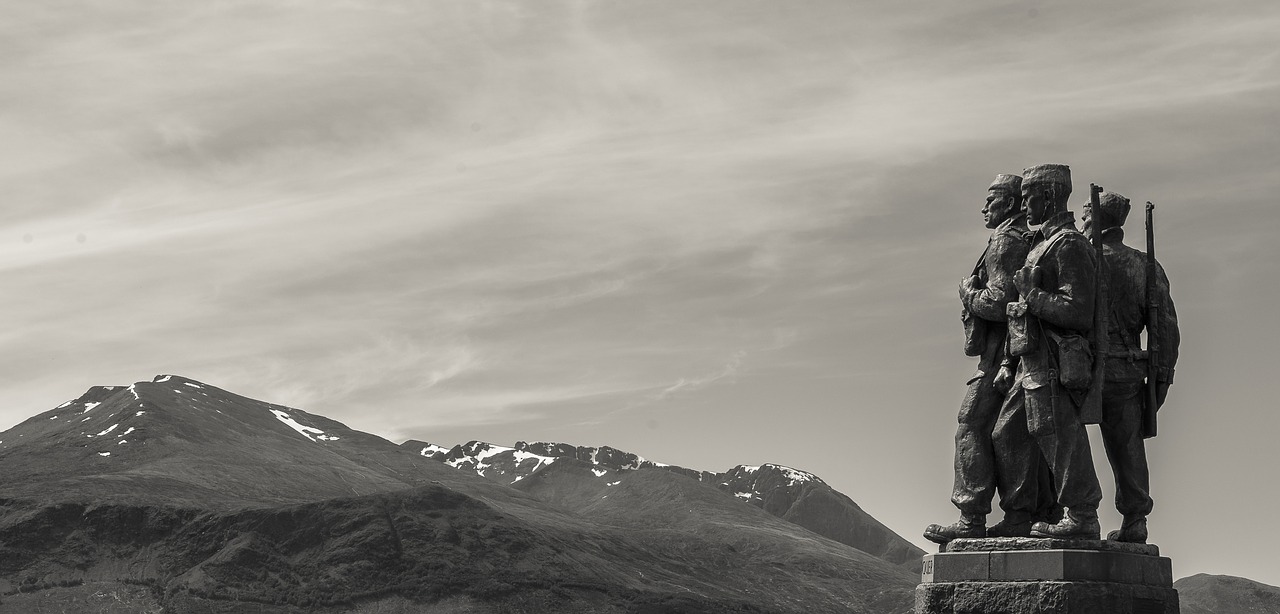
1052, 243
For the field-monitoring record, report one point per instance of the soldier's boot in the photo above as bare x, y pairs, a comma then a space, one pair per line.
1076, 524
1132, 530
1015, 524
969, 525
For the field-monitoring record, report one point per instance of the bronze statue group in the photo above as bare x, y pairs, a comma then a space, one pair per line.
1056, 317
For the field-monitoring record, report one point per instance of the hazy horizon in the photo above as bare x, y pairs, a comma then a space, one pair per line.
710, 233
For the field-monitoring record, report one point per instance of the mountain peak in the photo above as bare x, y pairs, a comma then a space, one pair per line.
171, 429
187, 404
793, 476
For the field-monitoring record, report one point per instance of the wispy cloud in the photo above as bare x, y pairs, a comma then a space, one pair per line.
436, 217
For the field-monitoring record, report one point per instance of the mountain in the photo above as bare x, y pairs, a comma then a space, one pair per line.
177, 496
1206, 594
793, 495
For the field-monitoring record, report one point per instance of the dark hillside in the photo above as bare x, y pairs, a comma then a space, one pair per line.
175, 494
1206, 594
795, 496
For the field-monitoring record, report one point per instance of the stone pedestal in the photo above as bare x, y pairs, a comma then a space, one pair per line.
1046, 576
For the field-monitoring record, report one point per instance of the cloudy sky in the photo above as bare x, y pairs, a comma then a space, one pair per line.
710, 233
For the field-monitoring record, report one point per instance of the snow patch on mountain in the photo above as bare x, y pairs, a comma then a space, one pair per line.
490, 452
793, 476
495, 462
796, 475
522, 456
309, 432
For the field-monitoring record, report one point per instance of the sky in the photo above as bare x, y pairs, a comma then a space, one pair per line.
710, 233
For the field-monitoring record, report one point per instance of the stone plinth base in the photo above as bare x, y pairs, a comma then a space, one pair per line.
1044, 598
1032, 576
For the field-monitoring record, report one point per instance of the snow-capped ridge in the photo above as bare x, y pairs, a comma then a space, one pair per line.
431, 450
793, 476
603, 456
509, 465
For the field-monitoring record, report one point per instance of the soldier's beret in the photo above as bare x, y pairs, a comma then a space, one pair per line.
1013, 183
1047, 173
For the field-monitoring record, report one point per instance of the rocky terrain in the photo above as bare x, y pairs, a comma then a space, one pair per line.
176, 496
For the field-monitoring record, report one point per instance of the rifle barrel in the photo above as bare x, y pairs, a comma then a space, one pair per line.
1153, 336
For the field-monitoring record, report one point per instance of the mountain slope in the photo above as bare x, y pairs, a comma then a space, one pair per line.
796, 496
217, 501
688, 524
1207, 594
174, 440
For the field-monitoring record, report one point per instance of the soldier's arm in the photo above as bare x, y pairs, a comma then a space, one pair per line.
1070, 304
1004, 258
1167, 323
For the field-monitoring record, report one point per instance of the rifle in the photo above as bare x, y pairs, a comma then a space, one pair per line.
1153, 338
1091, 408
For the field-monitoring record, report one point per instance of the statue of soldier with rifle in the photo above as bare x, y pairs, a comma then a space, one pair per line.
1136, 380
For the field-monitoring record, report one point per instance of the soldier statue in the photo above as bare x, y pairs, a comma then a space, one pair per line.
1048, 328
1130, 310
984, 296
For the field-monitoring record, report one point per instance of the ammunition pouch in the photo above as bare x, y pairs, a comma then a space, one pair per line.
1075, 361
1023, 337
975, 333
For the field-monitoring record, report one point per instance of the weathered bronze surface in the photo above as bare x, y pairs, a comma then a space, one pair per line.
1136, 301
984, 297
1056, 321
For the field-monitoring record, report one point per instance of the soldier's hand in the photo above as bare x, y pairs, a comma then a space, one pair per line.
1004, 379
969, 285
1027, 278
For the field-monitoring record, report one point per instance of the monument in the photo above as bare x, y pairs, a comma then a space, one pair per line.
1059, 317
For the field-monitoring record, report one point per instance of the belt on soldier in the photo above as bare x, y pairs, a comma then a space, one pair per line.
1130, 355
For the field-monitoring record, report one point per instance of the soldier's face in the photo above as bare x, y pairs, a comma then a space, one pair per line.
1033, 198
1000, 205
